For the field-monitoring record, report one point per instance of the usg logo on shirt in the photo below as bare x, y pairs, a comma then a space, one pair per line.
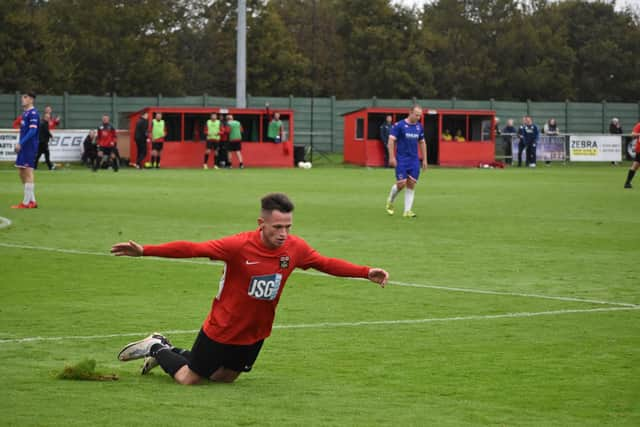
265, 287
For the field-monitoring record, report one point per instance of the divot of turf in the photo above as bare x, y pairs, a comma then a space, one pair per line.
85, 370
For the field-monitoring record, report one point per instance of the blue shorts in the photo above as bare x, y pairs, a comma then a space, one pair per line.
27, 155
408, 168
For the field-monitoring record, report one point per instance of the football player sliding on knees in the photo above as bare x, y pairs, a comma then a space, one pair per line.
257, 266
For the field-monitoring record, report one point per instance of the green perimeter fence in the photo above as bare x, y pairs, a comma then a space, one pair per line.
321, 118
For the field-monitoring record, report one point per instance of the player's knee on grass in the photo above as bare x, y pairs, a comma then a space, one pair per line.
223, 375
186, 376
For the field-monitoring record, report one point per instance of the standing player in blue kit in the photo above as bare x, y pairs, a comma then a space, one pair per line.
408, 134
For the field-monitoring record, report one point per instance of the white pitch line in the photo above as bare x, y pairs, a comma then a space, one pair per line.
324, 325
4, 222
320, 274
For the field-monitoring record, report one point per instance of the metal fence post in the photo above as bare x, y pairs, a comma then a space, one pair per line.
604, 115
204, 99
453, 103
18, 105
333, 121
159, 100
66, 121
374, 101
114, 109
290, 102
566, 115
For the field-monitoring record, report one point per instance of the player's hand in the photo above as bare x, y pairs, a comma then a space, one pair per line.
17, 148
379, 276
392, 162
424, 165
129, 248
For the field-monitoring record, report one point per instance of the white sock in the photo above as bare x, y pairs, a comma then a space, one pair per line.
28, 193
33, 192
393, 193
408, 199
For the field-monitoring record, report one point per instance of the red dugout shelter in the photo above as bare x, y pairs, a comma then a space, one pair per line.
185, 140
362, 145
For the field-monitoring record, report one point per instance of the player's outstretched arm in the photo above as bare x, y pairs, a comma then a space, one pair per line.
379, 276
129, 248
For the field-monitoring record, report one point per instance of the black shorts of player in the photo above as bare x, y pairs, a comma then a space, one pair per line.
157, 146
106, 151
208, 355
234, 146
212, 145
637, 158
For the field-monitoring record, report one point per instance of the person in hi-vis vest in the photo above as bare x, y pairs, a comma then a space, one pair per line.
235, 140
212, 130
158, 133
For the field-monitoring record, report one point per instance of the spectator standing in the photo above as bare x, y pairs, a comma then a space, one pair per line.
142, 138
54, 120
385, 131
550, 128
107, 140
223, 152
89, 148
235, 139
530, 135
636, 161
213, 140
274, 129
158, 134
44, 136
615, 128
508, 132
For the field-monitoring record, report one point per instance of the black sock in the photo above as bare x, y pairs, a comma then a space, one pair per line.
158, 161
206, 158
630, 176
182, 352
169, 361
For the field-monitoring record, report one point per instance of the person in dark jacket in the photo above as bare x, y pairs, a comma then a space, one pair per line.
385, 131
90, 148
529, 134
507, 133
142, 138
44, 136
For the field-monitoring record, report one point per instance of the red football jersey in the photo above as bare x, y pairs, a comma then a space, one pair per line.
636, 130
253, 279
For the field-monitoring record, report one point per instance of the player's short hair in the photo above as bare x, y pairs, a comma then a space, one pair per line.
277, 202
30, 94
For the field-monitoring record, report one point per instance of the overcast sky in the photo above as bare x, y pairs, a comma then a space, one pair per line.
620, 4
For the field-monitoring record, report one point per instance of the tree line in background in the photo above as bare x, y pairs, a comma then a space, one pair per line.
470, 49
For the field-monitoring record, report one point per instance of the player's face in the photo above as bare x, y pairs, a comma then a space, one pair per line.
415, 115
27, 101
275, 227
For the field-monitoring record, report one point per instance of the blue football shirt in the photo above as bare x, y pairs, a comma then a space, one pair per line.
30, 120
407, 138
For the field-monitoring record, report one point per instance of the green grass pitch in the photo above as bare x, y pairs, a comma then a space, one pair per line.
514, 298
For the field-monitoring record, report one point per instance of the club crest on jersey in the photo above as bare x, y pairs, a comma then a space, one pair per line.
284, 261
265, 287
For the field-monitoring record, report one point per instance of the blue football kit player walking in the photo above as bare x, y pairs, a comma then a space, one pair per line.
408, 135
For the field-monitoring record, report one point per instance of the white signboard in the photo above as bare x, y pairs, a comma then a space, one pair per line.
65, 146
595, 148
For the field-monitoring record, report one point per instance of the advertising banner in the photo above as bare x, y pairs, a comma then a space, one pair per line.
65, 146
549, 148
595, 148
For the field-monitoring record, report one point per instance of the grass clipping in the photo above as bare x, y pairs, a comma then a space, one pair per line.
84, 371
